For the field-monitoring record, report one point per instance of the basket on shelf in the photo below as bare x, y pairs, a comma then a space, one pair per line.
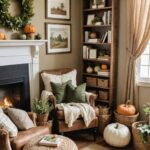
126, 120
138, 144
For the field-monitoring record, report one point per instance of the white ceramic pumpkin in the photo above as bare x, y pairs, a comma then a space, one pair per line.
117, 135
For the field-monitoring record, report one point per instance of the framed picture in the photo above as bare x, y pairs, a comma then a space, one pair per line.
93, 54
59, 38
90, 18
58, 9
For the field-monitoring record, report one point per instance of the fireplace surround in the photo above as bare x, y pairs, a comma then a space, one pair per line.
20, 60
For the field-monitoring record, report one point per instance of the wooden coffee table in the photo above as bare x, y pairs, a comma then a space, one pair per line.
66, 144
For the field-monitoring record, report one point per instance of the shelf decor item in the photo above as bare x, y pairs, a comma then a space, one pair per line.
29, 30
15, 22
2, 36
59, 38
58, 9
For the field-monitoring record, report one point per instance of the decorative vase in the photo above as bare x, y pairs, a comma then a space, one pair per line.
89, 69
96, 69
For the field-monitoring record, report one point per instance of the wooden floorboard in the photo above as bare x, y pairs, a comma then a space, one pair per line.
85, 141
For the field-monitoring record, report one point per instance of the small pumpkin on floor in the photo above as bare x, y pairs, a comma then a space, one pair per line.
117, 135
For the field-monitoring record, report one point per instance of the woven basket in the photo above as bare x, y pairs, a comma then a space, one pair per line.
126, 120
42, 118
138, 144
104, 120
103, 110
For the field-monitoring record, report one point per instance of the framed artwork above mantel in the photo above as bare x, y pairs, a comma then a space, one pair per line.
58, 9
59, 37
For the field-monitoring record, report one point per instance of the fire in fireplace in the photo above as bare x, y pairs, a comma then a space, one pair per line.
6, 102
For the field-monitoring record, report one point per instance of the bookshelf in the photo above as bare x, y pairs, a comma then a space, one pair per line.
99, 47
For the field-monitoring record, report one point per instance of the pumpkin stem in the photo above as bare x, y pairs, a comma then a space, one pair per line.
128, 102
117, 125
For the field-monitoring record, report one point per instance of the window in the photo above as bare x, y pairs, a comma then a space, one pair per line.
144, 65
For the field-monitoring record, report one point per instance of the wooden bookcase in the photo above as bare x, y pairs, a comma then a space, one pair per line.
100, 19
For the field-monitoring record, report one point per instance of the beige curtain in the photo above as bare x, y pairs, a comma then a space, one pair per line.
138, 35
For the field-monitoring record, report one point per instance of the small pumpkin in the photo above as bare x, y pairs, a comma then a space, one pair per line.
126, 109
117, 135
29, 28
104, 67
2, 36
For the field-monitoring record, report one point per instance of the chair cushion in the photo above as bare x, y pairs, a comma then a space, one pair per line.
76, 94
20, 118
8, 125
60, 113
47, 78
25, 136
59, 90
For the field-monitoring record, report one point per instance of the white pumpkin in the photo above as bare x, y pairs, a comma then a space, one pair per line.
117, 135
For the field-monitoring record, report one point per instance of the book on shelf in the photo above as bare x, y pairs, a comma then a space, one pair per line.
105, 37
50, 140
104, 58
86, 36
85, 52
109, 36
93, 40
103, 73
107, 17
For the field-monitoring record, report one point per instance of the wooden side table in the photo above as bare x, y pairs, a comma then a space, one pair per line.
66, 144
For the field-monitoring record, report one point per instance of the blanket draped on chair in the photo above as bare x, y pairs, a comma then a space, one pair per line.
72, 111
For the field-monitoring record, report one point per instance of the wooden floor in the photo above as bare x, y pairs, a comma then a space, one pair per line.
85, 141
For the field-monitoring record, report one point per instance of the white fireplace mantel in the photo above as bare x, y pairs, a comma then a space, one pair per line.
13, 52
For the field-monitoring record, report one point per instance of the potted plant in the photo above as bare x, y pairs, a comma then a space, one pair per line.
141, 131
41, 108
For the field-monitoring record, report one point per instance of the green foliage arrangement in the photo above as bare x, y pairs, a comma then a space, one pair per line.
145, 128
41, 106
16, 22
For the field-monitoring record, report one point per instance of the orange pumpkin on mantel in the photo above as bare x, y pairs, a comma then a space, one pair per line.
29, 28
2, 36
126, 109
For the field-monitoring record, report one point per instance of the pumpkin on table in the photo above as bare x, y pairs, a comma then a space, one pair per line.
117, 135
2, 36
29, 29
126, 109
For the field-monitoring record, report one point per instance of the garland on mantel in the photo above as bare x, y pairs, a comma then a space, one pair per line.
15, 22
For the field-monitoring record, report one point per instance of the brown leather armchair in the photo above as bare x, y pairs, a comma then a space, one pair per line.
23, 137
59, 125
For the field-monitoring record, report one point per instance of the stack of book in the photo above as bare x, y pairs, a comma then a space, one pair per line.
107, 17
50, 140
104, 73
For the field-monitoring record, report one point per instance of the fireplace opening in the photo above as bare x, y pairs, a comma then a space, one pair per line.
14, 86
11, 95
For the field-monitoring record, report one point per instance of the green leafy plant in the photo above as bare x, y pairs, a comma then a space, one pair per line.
144, 129
15, 22
41, 106
96, 19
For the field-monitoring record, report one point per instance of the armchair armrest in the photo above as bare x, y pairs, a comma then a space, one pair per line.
33, 117
4, 140
91, 98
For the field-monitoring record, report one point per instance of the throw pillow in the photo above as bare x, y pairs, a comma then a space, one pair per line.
20, 118
70, 76
47, 78
8, 125
59, 90
76, 94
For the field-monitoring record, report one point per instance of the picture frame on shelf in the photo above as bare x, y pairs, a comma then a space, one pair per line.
59, 38
92, 53
90, 18
94, 4
58, 9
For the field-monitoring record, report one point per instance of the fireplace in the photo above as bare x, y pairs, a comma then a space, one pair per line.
14, 86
